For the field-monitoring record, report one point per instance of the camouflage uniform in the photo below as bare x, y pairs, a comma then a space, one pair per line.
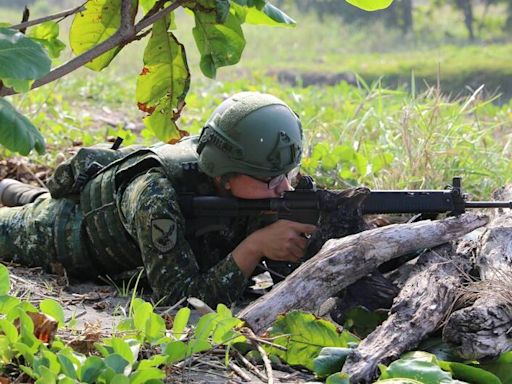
126, 216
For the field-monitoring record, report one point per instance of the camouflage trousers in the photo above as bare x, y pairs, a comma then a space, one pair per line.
45, 232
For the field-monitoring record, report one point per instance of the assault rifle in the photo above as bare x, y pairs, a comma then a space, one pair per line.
306, 204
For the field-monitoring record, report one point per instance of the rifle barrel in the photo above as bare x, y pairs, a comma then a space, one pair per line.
488, 204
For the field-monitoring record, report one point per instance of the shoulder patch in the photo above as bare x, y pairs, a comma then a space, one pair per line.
163, 234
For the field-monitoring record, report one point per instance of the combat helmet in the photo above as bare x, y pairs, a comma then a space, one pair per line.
251, 133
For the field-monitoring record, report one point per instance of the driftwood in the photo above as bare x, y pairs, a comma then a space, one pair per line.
483, 329
422, 304
341, 262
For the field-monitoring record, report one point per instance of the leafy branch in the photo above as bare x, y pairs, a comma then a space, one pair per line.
126, 33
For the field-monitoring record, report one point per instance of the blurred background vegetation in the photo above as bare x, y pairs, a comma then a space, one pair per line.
389, 99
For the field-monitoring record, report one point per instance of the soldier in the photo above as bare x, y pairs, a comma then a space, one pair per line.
109, 210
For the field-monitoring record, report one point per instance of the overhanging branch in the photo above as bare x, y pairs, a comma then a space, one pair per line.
41, 20
126, 33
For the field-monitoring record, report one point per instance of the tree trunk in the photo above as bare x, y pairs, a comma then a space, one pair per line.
482, 330
341, 262
425, 300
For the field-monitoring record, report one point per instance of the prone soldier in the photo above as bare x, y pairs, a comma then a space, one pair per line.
110, 210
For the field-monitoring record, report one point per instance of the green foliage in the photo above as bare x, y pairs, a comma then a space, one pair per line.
100, 20
17, 133
371, 5
501, 367
5, 283
362, 322
120, 360
47, 34
20, 57
303, 335
423, 367
329, 361
164, 82
219, 44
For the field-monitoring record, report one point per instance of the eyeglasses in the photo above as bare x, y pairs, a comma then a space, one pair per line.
274, 182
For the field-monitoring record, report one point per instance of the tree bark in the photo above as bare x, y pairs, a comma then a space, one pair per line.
482, 330
423, 303
341, 262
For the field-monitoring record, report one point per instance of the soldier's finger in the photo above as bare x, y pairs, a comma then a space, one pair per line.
303, 228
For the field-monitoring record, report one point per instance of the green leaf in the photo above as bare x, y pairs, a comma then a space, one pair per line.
122, 348
67, 366
338, 378
141, 315
46, 376
180, 322
53, 309
329, 361
120, 379
99, 21
268, 15
164, 82
218, 44
9, 330
47, 34
20, 57
423, 371
501, 367
116, 362
175, 351
370, 5
5, 283
399, 381
91, 369
468, 373
17, 133
362, 322
304, 336
146, 5
155, 327
8, 303
143, 376
19, 85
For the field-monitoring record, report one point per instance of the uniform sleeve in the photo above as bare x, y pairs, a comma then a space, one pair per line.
152, 216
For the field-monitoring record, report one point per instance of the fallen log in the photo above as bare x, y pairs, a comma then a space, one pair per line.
341, 262
482, 330
422, 304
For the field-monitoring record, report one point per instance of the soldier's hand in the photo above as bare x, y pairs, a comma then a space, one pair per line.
284, 240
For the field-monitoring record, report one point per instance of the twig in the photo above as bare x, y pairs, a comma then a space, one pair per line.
126, 33
251, 366
264, 356
239, 371
247, 332
41, 20
199, 305
39, 181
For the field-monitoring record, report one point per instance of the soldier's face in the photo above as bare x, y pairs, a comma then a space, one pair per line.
247, 187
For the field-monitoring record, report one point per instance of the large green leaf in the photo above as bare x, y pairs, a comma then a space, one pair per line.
99, 21
304, 336
21, 57
426, 372
163, 82
47, 34
17, 133
218, 44
370, 5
